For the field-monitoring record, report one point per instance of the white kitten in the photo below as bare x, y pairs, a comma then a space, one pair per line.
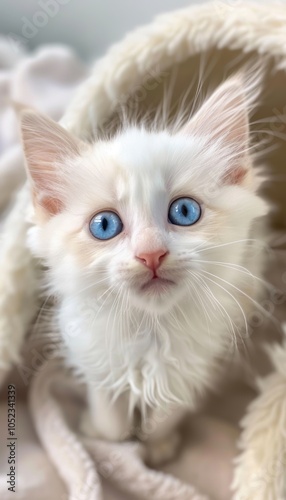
148, 240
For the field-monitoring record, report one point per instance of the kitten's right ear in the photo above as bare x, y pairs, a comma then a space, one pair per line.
224, 116
47, 148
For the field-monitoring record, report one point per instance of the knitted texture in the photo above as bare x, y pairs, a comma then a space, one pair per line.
122, 464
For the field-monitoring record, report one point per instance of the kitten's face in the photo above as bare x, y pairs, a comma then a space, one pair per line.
171, 206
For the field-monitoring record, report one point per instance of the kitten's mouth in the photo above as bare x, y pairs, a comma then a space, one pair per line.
157, 283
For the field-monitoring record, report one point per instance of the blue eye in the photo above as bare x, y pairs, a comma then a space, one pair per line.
184, 212
105, 225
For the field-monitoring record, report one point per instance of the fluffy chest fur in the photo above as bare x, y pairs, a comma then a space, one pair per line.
157, 360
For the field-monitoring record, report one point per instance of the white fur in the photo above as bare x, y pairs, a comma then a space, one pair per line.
157, 347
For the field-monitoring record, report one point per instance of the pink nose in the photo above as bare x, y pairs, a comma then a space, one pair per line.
153, 260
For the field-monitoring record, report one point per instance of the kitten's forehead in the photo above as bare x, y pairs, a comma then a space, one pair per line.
143, 153
142, 197
137, 164
150, 159
143, 170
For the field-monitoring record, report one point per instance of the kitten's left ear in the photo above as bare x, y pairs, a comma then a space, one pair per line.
48, 148
224, 117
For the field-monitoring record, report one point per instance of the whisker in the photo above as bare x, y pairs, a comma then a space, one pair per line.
259, 307
230, 294
235, 267
245, 240
221, 308
196, 295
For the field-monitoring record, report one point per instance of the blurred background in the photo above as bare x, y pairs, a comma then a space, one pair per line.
89, 26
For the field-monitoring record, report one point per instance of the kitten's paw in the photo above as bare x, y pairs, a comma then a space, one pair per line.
161, 451
87, 427
109, 431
